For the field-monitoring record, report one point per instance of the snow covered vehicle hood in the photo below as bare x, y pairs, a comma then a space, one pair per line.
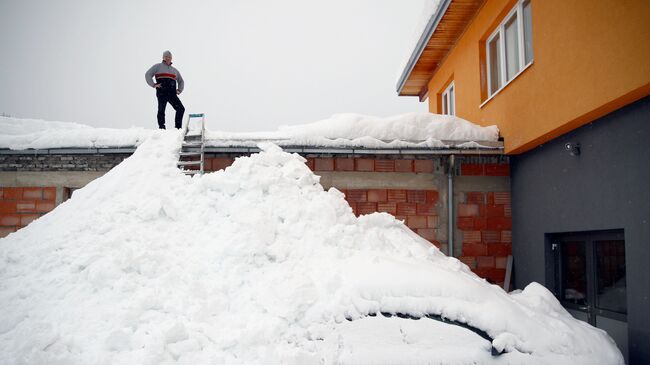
256, 264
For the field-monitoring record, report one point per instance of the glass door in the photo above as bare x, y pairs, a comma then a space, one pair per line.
589, 270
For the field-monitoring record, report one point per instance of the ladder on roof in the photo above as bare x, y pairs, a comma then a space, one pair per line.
191, 156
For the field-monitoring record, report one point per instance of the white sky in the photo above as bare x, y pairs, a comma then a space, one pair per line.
249, 64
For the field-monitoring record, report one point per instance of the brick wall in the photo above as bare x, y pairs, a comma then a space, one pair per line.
485, 222
19, 206
60, 162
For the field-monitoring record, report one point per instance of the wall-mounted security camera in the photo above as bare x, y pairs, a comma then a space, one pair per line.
573, 148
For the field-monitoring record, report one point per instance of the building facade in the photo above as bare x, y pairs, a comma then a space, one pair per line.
567, 83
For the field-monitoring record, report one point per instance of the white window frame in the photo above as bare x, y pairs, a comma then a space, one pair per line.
518, 9
449, 108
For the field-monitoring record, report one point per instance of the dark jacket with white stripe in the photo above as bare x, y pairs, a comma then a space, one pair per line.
167, 76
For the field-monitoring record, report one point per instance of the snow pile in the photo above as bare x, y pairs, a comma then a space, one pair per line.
256, 264
341, 130
21, 134
406, 130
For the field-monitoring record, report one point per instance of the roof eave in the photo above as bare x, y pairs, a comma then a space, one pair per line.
422, 43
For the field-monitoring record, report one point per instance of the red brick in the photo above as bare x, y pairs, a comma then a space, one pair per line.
33, 193
494, 211
12, 193
471, 237
49, 193
501, 262
406, 209
324, 164
507, 210
468, 210
492, 275
475, 197
366, 208
310, 163
491, 236
485, 261
220, 163
26, 219
44, 206
480, 224
385, 165
403, 165
416, 196
432, 196
465, 223
354, 208
474, 249
1, 193
472, 169
433, 221
469, 261
344, 164
499, 223
423, 166
356, 195
426, 209
364, 164
501, 197
428, 234
9, 220
390, 208
416, 221
493, 169
377, 195
499, 249
7, 207
5, 231
396, 195
506, 236
25, 206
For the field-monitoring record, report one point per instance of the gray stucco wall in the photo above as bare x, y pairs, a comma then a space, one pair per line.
606, 187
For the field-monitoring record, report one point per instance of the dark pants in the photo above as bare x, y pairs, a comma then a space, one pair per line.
171, 98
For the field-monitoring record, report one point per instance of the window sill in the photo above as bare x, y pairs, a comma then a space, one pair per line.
506, 84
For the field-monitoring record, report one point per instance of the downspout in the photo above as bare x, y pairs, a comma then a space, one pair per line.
450, 205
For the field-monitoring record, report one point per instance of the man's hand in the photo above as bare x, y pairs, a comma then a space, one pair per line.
178, 92
157, 86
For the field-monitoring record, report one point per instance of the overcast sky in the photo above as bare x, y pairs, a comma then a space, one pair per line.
249, 64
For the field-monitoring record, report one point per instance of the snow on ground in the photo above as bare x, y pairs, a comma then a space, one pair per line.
256, 264
341, 130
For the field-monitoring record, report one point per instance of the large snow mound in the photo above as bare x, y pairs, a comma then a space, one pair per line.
343, 130
257, 264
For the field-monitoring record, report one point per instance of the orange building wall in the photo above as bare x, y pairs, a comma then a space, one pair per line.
591, 57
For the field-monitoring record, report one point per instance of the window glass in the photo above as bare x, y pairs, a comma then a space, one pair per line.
610, 266
512, 47
452, 100
494, 60
528, 33
574, 273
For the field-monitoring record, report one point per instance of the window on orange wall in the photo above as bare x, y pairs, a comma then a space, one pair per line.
509, 49
448, 100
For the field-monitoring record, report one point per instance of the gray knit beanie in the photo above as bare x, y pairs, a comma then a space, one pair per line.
167, 54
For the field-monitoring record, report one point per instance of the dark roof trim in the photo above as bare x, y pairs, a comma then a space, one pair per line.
422, 42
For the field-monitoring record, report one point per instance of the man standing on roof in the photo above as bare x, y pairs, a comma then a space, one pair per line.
167, 79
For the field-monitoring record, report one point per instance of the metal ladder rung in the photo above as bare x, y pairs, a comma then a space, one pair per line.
185, 154
192, 145
188, 163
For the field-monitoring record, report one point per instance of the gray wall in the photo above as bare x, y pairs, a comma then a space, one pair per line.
606, 187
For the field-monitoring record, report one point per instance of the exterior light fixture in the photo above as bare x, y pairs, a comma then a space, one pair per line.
573, 148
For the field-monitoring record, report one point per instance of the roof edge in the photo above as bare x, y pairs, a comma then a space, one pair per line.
422, 42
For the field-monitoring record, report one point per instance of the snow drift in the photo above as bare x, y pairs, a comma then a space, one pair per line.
342, 130
256, 264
